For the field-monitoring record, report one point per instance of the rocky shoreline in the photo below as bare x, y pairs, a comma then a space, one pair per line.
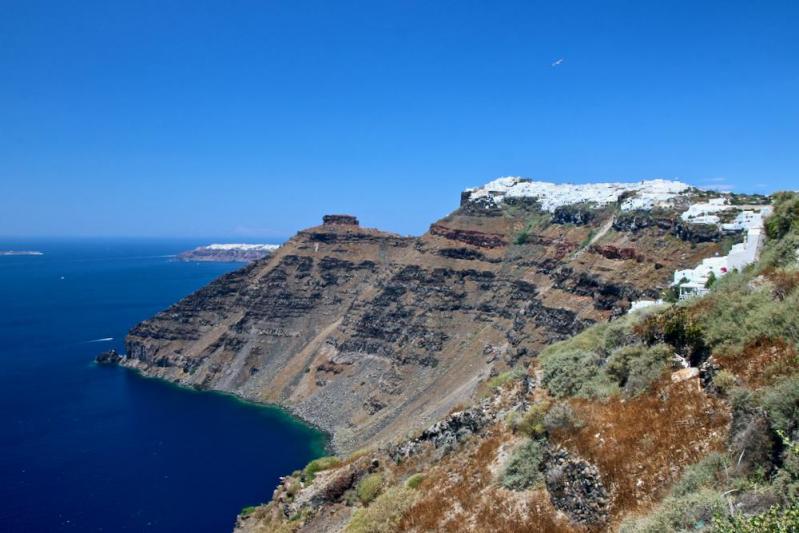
112, 357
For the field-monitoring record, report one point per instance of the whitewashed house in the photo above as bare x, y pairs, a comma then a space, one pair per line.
693, 282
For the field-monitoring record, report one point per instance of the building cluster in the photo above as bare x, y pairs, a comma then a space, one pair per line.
694, 282
637, 195
646, 195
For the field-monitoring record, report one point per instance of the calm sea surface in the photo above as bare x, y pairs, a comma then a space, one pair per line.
91, 448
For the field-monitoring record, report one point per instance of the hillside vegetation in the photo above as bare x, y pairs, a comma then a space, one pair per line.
678, 417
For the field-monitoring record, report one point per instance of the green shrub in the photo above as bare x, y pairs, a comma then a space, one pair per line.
620, 332
576, 373
561, 416
635, 367
536, 220
677, 327
385, 513
671, 295
604, 357
781, 403
318, 465
247, 511
726, 322
531, 423
369, 487
707, 473
293, 486
791, 446
751, 439
513, 419
782, 229
785, 218
647, 368
780, 253
776, 519
523, 470
786, 481
505, 377
724, 381
739, 317
590, 340
414, 481
689, 512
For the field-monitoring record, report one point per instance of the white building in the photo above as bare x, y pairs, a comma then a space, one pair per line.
705, 213
643, 304
638, 195
693, 282
743, 221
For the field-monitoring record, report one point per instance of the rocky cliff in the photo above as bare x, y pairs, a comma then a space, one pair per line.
677, 417
370, 335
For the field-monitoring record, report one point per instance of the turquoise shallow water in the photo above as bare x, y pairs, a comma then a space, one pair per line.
92, 448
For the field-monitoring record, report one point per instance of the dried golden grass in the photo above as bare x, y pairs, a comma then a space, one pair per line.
784, 281
536, 515
451, 488
459, 495
761, 362
641, 445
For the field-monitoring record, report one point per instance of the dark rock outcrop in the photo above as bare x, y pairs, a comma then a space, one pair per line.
467, 254
346, 220
475, 238
606, 295
110, 357
445, 434
577, 214
697, 232
575, 487
635, 221
614, 252
667, 222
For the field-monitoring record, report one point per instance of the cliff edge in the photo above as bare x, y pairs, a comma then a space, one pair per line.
370, 335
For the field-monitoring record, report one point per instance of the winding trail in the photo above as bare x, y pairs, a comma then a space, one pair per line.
601, 233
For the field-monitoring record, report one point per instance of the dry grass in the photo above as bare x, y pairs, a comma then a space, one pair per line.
525, 513
641, 445
460, 494
785, 281
761, 362
450, 490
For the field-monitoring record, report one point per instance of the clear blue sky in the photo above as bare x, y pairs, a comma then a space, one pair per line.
252, 119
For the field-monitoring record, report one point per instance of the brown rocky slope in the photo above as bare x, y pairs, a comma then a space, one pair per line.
370, 335
679, 417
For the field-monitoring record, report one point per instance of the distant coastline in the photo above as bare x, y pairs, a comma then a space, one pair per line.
20, 252
229, 253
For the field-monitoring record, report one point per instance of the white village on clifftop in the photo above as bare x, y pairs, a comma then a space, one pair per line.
647, 195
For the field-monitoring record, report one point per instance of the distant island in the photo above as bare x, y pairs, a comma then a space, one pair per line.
20, 252
244, 253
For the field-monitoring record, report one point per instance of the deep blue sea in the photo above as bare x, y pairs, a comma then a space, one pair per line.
92, 448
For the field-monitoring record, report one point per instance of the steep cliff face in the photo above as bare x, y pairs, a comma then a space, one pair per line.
680, 417
370, 335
